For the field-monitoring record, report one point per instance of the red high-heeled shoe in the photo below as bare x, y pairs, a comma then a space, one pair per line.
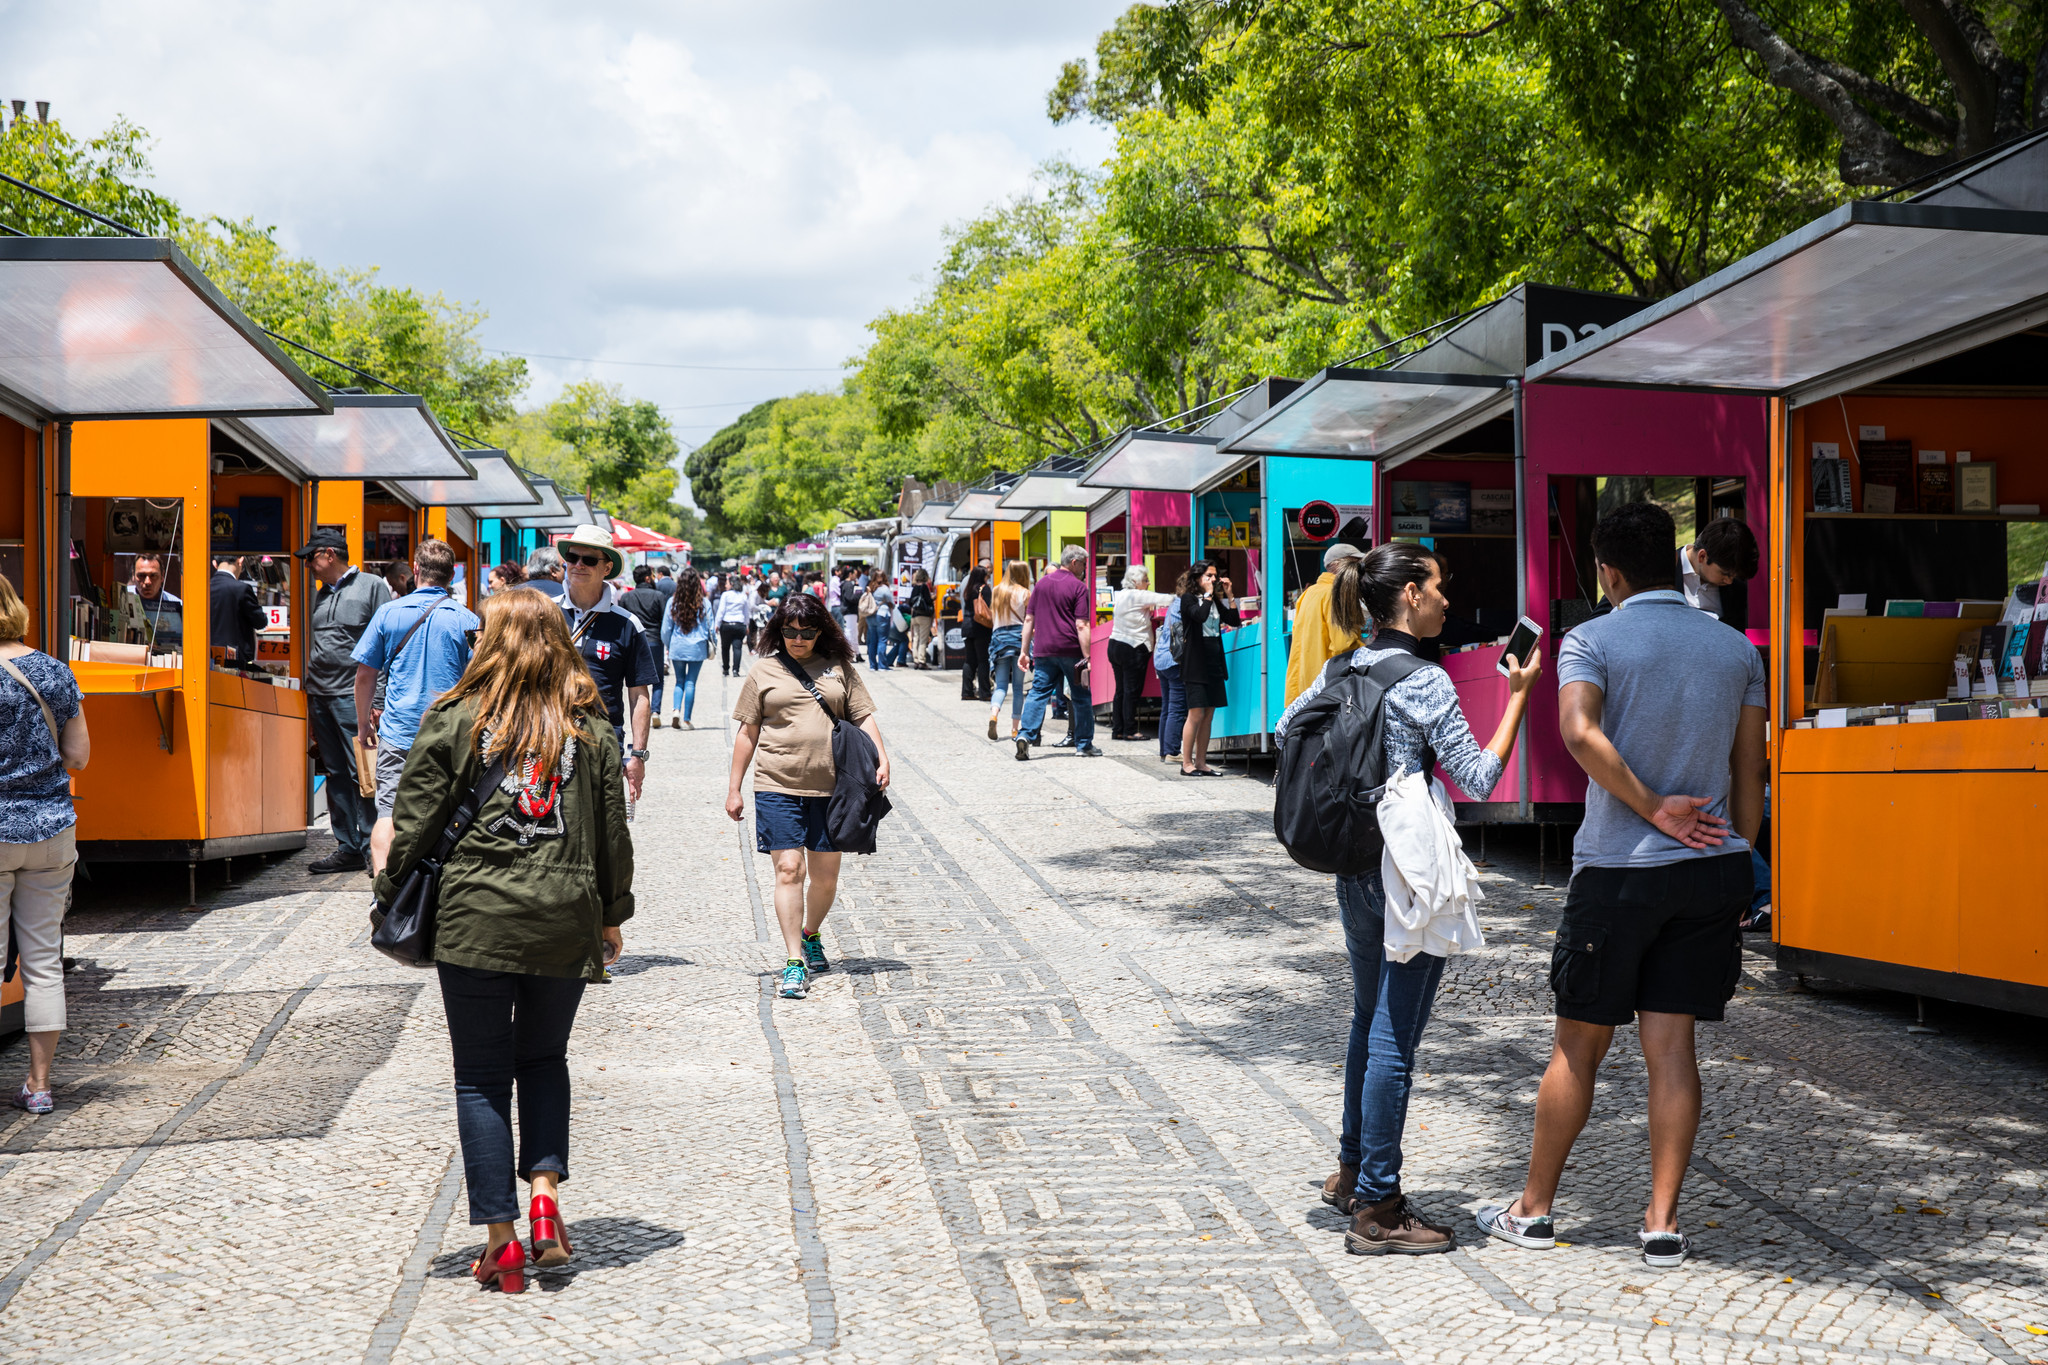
550, 1238
506, 1270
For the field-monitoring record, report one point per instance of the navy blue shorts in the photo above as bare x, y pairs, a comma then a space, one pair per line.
785, 821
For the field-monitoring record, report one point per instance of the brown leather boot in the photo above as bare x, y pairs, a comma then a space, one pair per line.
1390, 1227
1340, 1190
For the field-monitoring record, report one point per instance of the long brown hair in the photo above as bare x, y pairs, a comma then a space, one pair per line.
688, 600
1011, 593
527, 683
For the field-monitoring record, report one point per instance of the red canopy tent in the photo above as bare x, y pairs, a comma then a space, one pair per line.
627, 536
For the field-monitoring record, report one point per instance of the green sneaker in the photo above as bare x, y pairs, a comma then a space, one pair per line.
814, 954
795, 981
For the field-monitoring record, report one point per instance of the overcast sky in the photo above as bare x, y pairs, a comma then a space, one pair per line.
704, 184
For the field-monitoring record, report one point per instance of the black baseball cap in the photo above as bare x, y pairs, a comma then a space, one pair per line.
324, 538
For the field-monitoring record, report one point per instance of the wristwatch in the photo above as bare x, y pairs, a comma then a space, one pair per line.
640, 754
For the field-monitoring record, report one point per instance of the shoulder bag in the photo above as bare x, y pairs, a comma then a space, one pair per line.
857, 804
982, 615
404, 930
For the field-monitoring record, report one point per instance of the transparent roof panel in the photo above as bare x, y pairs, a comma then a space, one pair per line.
550, 504
109, 327
367, 436
980, 504
1161, 461
498, 484
1050, 492
1866, 291
932, 515
1372, 414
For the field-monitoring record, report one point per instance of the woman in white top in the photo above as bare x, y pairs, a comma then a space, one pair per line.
732, 615
1007, 604
1130, 647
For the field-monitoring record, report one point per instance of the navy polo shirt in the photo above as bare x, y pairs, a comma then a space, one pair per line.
614, 648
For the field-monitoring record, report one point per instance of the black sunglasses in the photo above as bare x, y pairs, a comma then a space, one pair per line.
587, 561
789, 633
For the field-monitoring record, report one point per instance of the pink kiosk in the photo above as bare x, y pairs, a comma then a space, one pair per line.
1508, 479
1141, 526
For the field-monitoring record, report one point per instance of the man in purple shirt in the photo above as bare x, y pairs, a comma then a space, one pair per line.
1057, 621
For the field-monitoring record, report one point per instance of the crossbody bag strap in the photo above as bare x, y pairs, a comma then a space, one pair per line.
797, 670
49, 716
465, 814
413, 630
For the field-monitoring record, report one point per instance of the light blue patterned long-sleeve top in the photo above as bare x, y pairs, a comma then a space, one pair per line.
1423, 716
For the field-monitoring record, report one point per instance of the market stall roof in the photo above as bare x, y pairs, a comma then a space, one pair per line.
550, 504
367, 436
1857, 295
1053, 484
1455, 382
933, 516
1159, 461
570, 511
983, 504
498, 484
114, 327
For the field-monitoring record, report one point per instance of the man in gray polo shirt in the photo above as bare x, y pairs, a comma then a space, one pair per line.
1664, 707
347, 599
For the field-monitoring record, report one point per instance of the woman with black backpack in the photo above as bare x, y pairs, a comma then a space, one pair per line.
1400, 588
791, 730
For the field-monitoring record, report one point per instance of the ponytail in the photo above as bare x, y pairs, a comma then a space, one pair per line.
1370, 587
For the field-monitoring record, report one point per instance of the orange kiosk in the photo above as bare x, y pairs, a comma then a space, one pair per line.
103, 334
1897, 343
992, 535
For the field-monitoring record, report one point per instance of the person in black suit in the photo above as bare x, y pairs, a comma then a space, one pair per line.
233, 612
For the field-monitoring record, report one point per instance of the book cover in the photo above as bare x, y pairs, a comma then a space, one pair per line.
1889, 464
1493, 511
1976, 487
223, 528
1905, 606
1830, 478
1935, 488
1947, 611
1880, 498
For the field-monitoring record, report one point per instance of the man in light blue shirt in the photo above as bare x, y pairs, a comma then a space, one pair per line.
422, 642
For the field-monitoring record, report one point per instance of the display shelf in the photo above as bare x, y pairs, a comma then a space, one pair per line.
104, 679
1917, 516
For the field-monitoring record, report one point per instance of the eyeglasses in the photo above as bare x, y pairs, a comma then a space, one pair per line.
789, 634
587, 561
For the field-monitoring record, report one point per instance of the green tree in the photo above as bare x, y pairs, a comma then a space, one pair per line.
102, 173
594, 440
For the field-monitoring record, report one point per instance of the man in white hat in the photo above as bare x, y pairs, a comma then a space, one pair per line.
610, 640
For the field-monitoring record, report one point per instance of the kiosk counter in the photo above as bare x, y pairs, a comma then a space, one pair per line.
1895, 343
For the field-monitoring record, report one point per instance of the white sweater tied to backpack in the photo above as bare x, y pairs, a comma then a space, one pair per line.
1431, 886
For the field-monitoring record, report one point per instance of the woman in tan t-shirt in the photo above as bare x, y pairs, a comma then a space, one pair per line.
782, 725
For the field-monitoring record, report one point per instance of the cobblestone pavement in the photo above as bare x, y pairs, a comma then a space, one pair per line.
1067, 1095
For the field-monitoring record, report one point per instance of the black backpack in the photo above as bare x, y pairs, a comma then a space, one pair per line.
1333, 769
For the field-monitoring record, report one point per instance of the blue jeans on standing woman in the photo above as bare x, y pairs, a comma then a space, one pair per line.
686, 685
1389, 1009
1002, 667
509, 1028
878, 644
1173, 711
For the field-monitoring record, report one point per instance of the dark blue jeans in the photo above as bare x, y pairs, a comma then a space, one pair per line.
878, 644
1389, 1009
507, 1028
348, 811
1173, 712
1046, 677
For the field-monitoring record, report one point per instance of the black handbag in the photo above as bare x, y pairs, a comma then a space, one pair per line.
857, 804
404, 930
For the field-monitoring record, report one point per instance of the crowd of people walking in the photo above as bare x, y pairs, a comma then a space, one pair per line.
504, 750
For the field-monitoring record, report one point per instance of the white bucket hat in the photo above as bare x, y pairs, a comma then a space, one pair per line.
596, 538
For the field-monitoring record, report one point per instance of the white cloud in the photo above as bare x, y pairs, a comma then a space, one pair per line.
740, 185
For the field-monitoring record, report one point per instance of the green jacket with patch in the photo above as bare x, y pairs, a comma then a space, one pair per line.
518, 894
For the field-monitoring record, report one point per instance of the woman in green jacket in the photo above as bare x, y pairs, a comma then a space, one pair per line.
531, 903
